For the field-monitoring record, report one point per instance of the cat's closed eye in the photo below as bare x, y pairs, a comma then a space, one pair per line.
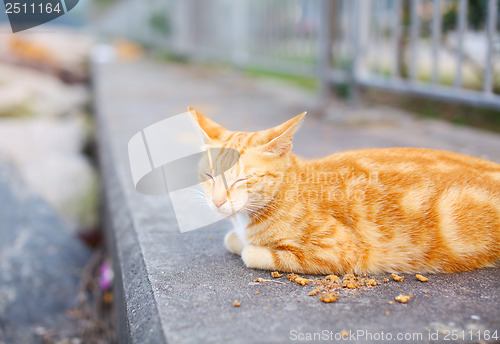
239, 181
208, 176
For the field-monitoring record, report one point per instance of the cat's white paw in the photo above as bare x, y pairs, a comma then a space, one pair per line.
233, 243
258, 257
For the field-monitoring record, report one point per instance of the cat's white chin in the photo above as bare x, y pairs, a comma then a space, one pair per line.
224, 211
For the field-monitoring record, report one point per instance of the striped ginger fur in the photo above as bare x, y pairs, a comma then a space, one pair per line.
401, 210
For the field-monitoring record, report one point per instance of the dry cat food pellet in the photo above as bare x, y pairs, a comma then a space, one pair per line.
345, 334
391, 302
403, 298
332, 278
386, 280
297, 279
349, 277
327, 298
316, 291
276, 274
397, 278
256, 293
331, 284
236, 303
370, 282
421, 278
387, 313
302, 281
349, 282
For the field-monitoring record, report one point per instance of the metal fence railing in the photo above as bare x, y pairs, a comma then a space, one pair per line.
430, 49
447, 49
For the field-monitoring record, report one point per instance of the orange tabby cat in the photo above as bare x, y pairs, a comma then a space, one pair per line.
364, 211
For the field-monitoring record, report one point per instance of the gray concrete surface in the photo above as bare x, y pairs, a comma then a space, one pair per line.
179, 288
40, 263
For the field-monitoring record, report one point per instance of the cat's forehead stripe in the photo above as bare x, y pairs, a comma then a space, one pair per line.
231, 135
240, 139
226, 156
250, 138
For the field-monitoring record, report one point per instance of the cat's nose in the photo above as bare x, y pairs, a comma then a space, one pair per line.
218, 202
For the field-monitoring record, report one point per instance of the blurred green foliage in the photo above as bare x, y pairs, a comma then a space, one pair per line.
102, 3
159, 22
307, 83
458, 114
20, 110
476, 18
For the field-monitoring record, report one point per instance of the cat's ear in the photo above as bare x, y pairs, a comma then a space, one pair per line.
212, 130
280, 137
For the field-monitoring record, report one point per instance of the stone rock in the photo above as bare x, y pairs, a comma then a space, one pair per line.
40, 263
26, 92
47, 154
54, 49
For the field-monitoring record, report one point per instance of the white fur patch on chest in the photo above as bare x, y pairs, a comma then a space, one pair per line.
241, 222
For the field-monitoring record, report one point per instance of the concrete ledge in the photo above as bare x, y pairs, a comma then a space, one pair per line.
179, 288
137, 313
